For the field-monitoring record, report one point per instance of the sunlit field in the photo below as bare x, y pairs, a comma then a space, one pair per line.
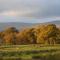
30, 52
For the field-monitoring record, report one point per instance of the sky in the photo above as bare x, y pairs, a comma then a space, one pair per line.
29, 11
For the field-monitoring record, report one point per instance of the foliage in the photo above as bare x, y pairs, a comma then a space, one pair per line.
45, 34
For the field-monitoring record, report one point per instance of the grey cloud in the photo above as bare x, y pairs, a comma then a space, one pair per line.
40, 8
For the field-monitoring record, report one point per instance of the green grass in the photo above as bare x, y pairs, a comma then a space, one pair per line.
30, 52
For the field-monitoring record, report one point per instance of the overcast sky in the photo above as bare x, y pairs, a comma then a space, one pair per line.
29, 10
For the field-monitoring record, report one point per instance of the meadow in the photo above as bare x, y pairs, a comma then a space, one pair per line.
30, 52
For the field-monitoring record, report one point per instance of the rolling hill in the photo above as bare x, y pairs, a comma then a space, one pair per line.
20, 25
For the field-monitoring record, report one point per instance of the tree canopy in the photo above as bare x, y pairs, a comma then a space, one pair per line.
45, 34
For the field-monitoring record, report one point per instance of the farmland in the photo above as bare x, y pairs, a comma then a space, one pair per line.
30, 52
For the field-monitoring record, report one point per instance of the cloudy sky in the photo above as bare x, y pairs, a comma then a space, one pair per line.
29, 10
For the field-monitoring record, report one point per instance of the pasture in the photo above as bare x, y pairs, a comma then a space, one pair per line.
30, 52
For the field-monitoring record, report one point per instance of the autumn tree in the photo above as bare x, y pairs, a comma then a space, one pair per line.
48, 34
9, 35
41, 34
26, 36
1, 38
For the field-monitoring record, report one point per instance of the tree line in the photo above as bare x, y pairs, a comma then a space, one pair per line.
41, 34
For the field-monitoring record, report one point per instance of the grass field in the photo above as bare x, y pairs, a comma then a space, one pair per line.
30, 52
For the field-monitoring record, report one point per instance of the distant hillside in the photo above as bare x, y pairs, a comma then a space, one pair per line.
54, 22
57, 23
20, 25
